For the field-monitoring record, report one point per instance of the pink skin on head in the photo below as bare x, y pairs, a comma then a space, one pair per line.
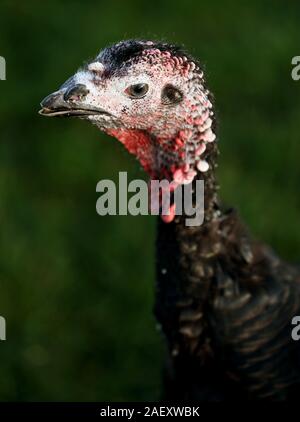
169, 139
137, 143
174, 127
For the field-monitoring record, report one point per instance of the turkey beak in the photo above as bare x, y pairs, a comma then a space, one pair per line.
68, 102
54, 105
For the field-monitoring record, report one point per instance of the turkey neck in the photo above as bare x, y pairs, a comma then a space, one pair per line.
186, 263
211, 200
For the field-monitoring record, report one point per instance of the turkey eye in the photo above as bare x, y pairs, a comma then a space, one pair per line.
137, 90
171, 95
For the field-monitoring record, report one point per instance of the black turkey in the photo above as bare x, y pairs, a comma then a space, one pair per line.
224, 301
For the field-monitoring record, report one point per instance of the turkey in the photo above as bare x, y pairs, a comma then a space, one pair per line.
224, 301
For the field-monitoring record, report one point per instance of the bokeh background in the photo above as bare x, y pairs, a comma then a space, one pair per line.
76, 289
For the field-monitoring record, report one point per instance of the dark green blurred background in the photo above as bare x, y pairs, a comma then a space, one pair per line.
77, 289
